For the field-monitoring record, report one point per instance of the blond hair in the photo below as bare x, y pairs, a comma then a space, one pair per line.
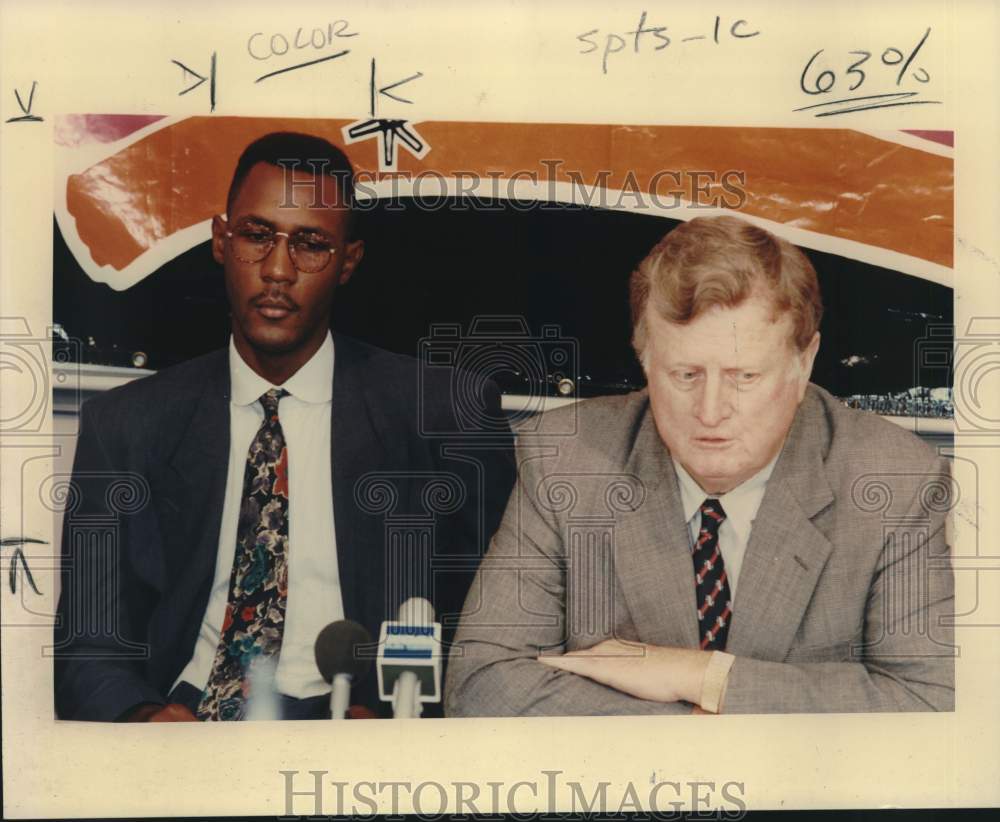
723, 261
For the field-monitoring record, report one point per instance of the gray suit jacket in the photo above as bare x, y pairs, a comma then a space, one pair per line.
843, 597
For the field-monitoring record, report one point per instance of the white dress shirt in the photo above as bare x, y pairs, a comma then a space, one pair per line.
314, 595
740, 505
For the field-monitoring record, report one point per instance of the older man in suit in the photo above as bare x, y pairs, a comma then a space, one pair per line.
730, 539
235, 484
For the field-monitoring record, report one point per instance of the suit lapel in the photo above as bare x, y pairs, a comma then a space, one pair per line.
356, 449
786, 552
201, 464
653, 556
784, 559
201, 461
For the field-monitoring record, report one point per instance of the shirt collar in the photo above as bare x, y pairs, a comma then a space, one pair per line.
312, 383
740, 504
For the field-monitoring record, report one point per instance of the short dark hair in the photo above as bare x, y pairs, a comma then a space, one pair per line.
289, 149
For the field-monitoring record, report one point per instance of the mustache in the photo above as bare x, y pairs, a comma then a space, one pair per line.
274, 300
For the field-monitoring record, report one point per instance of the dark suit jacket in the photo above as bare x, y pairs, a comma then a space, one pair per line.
143, 515
844, 596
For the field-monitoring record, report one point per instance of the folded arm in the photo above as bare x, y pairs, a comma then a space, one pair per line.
514, 611
903, 662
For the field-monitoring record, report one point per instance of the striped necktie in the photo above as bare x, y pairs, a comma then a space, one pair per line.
715, 605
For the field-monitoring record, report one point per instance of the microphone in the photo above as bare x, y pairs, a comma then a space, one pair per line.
409, 659
339, 663
263, 702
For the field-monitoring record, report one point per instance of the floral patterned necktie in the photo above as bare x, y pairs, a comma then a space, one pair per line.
258, 585
715, 605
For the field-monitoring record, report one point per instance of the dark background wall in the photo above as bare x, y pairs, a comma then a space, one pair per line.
550, 265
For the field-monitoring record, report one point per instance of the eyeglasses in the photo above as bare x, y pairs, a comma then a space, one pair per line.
310, 252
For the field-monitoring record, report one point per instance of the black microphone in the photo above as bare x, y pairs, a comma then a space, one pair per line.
340, 663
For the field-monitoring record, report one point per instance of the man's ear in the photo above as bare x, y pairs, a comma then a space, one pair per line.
219, 239
806, 359
353, 252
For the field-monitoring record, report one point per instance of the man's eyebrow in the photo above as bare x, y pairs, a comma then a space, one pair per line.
253, 218
686, 366
312, 229
308, 229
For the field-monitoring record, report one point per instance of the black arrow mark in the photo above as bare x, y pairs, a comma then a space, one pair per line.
19, 555
27, 117
193, 73
385, 89
201, 79
387, 132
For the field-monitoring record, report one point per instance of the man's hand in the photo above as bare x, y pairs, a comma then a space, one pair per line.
174, 712
645, 671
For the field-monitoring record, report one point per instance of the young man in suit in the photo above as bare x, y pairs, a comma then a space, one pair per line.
731, 538
237, 481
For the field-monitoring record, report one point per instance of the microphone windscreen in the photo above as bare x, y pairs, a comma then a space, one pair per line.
416, 611
336, 647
